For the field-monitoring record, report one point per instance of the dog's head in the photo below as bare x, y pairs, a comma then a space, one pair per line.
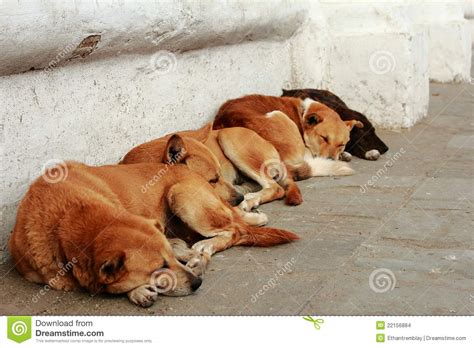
325, 134
364, 143
198, 158
132, 252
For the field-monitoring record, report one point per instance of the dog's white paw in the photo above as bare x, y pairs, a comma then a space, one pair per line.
342, 168
255, 218
144, 295
372, 155
261, 219
198, 264
251, 201
346, 156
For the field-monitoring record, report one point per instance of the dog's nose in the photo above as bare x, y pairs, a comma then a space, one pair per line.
196, 283
239, 199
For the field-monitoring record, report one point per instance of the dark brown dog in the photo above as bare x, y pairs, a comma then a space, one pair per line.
363, 143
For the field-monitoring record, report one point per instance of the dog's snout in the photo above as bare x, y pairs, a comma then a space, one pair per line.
196, 283
383, 148
239, 199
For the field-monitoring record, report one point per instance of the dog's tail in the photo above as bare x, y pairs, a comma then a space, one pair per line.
264, 236
319, 166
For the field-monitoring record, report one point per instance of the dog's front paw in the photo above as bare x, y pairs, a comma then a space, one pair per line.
372, 155
255, 218
144, 295
251, 201
345, 156
342, 168
198, 264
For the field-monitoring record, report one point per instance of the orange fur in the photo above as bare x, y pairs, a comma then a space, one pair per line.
111, 221
290, 124
237, 151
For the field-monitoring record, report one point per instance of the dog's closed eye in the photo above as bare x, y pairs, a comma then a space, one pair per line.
214, 180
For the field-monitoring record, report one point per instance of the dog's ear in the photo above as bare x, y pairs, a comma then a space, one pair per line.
312, 119
112, 268
175, 150
350, 124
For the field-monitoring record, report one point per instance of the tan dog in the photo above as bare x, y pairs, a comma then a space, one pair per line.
298, 129
233, 156
109, 221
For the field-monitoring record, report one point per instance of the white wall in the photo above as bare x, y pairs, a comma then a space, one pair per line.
379, 59
157, 67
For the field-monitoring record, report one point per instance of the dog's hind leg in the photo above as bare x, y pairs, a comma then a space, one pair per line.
199, 207
257, 159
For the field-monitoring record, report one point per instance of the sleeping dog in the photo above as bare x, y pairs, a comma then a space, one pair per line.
110, 222
304, 132
363, 142
239, 156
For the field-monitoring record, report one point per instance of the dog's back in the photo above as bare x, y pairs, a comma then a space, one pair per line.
319, 95
233, 113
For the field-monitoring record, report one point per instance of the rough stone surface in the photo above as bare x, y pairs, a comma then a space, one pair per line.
378, 61
447, 32
414, 218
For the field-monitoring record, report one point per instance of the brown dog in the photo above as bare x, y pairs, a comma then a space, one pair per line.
109, 221
364, 143
299, 130
233, 156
